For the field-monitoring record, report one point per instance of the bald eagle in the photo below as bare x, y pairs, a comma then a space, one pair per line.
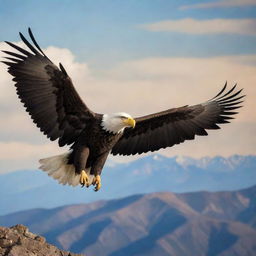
51, 100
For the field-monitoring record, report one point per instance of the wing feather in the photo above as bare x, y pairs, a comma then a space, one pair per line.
174, 126
47, 93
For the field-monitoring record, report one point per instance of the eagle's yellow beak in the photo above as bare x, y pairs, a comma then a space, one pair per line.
130, 122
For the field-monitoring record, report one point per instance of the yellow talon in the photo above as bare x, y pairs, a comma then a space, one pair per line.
97, 182
84, 179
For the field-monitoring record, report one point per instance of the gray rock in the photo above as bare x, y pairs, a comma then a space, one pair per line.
17, 241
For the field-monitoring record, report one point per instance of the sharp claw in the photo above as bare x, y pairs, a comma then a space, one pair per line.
97, 188
97, 182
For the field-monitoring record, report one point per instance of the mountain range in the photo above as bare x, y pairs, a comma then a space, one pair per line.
23, 189
187, 224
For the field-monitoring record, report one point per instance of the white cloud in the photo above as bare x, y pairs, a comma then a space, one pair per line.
137, 87
19, 155
145, 81
200, 27
220, 4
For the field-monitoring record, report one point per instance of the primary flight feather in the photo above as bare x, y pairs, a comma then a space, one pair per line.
50, 98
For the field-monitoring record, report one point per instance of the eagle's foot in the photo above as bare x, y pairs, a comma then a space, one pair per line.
97, 182
84, 179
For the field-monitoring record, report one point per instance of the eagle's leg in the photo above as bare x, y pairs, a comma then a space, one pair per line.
96, 170
80, 161
97, 182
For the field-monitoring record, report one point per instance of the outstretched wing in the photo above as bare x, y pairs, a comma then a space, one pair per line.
173, 126
47, 93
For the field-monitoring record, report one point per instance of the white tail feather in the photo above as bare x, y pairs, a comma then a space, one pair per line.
57, 167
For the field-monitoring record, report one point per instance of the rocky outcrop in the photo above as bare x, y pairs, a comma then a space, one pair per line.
18, 241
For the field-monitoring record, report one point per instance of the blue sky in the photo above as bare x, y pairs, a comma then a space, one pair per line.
138, 56
107, 31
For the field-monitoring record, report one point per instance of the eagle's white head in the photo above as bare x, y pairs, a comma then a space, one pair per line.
117, 122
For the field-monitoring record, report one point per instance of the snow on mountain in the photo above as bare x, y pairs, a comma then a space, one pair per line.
30, 189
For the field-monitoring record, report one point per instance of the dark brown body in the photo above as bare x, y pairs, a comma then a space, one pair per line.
92, 148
